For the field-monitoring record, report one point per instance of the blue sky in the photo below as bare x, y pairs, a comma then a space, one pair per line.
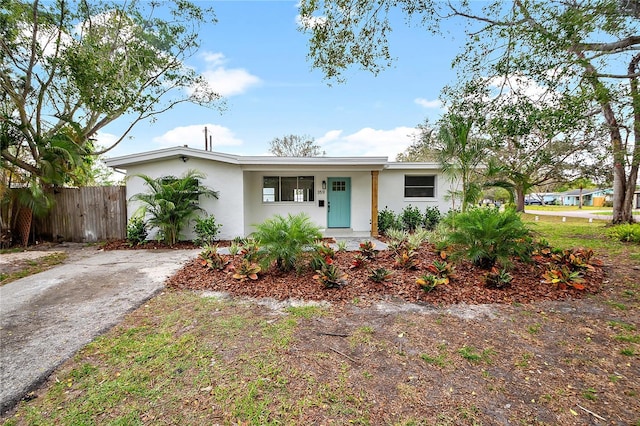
256, 57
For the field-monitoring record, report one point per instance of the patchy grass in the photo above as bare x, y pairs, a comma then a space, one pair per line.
31, 267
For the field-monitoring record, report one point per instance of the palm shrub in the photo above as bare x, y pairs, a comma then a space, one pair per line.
486, 236
283, 239
172, 202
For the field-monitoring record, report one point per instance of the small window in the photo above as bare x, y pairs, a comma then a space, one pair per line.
295, 189
419, 186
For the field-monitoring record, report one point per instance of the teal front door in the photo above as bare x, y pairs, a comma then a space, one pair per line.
339, 203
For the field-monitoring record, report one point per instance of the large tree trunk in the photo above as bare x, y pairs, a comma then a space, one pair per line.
621, 202
519, 199
23, 224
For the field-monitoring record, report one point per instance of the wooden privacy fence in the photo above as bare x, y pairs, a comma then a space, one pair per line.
86, 214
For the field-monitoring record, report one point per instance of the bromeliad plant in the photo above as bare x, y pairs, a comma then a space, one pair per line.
247, 270
330, 276
442, 269
210, 258
563, 277
429, 282
358, 262
405, 260
379, 275
497, 278
368, 250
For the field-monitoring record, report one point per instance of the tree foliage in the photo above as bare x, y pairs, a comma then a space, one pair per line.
69, 68
295, 146
584, 49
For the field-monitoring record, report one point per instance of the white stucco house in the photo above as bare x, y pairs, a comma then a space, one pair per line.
342, 195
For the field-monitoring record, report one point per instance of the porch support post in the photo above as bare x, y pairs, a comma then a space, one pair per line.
374, 203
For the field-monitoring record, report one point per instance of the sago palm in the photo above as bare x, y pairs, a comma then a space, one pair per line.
283, 239
486, 236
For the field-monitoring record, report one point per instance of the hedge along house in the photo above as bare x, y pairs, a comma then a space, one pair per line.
342, 195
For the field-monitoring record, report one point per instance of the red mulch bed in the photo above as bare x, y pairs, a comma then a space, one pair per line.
467, 287
149, 245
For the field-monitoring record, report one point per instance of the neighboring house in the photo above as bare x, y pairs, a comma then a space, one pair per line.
341, 194
590, 197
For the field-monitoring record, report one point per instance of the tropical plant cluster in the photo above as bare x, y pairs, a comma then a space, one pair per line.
486, 239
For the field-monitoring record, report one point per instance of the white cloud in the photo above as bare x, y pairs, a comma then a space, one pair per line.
368, 142
194, 136
521, 85
427, 103
105, 140
226, 81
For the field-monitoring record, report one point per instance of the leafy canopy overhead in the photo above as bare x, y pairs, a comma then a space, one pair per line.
587, 50
69, 68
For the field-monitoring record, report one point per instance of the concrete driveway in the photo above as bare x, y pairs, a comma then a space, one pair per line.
47, 317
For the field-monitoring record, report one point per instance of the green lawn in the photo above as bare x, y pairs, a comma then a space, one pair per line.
579, 232
564, 208
185, 359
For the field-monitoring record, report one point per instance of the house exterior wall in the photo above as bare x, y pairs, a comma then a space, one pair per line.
228, 209
256, 211
391, 191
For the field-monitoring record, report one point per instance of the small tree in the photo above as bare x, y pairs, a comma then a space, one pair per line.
172, 202
295, 146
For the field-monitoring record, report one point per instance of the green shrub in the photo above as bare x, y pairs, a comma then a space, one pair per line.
432, 217
136, 231
386, 220
627, 232
486, 236
206, 230
411, 218
283, 239
172, 202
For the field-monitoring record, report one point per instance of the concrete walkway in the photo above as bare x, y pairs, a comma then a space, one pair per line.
47, 317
